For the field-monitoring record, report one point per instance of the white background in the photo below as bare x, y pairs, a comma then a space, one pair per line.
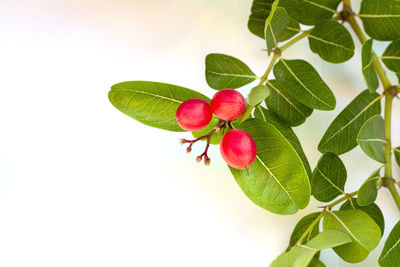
81, 184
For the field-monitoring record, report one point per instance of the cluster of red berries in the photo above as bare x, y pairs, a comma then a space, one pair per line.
237, 147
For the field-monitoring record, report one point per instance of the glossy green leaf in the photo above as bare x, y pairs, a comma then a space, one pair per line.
291, 111
301, 256
391, 57
331, 41
257, 95
223, 71
152, 103
368, 70
381, 19
277, 180
371, 138
329, 178
368, 191
268, 116
215, 138
362, 229
302, 226
310, 12
259, 13
275, 25
391, 251
303, 82
397, 155
342, 133
372, 210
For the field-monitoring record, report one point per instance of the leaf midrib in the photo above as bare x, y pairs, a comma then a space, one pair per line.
351, 121
320, 6
151, 94
302, 84
395, 245
347, 229
293, 105
329, 42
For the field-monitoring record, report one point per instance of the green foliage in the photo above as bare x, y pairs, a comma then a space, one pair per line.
277, 180
259, 13
281, 180
301, 256
342, 133
371, 79
275, 26
329, 178
381, 19
257, 95
372, 210
397, 155
223, 71
391, 56
268, 116
362, 229
310, 12
316, 263
391, 251
302, 226
371, 138
151, 103
331, 41
303, 82
291, 111
368, 192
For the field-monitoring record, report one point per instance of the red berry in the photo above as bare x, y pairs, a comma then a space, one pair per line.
228, 104
194, 114
238, 149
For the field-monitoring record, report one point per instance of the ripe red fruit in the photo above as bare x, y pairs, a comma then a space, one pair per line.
194, 114
238, 149
228, 104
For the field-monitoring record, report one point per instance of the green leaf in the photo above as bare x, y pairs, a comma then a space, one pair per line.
342, 133
291, 111
371, 138
329, 178
391, 251
368, 191
397, 155
372, 210
215, 138
391, 57
368, 70
259, 13
303, 82
316, 263
223, 71
331, 41
257, 95
381, 19
275, 25
302, 226
277, 180
268, 116
310, 12
152, 103
362, 229
301, 256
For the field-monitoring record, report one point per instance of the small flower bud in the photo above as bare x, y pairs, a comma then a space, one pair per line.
188, 149
207, 161
199, 158
182, 141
